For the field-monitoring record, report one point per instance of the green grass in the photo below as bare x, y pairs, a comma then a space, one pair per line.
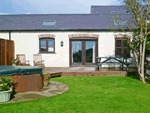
90, 95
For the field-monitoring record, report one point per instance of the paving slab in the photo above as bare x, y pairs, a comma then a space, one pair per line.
70, 69
54, 88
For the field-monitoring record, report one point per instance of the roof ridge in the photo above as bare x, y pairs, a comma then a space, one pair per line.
107, 5
41, 14
61, 14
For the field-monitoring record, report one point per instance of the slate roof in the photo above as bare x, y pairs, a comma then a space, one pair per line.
108, 9
93, 21
63, 22
97, 9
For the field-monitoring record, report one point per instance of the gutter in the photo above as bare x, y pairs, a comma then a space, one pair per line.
62, 29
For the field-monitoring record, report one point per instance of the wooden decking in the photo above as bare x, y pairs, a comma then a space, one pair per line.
83, 71
95, 73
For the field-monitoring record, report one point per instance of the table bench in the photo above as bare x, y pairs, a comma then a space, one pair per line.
118, 59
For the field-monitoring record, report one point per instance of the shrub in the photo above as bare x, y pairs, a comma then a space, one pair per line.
134, 75
5, 83
46, 75
14, 61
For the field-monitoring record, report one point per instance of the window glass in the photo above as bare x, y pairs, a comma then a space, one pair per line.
43, 42
43, 45
118, 43
118, 51
76, 51
119, 22
115, 12
49, 23
50, 42
47, 45
50, 45
121, 50
90, 51
50, 49
123, 23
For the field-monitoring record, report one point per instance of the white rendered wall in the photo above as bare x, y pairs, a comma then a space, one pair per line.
4, 35
28, 43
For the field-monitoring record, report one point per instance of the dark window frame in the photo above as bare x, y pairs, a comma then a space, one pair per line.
83, 39
122, 47
47, 39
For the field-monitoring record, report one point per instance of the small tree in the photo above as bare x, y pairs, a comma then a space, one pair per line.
138, 24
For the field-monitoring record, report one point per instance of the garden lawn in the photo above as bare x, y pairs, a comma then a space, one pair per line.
90, 95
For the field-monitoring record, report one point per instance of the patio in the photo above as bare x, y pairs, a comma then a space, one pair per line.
55, 88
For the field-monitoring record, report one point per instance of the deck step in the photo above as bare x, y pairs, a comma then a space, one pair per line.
56, 74
95, 73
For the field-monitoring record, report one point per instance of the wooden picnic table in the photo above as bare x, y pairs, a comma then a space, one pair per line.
118, 59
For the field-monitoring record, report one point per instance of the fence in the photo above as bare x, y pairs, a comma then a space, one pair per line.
6, 52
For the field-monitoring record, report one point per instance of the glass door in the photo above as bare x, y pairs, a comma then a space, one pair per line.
83, 53
90, 51
77, 52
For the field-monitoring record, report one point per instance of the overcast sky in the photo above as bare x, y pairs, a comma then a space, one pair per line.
51, 6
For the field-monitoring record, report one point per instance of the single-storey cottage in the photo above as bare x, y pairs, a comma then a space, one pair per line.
66, 40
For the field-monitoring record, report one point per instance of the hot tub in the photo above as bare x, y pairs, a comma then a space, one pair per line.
25, 78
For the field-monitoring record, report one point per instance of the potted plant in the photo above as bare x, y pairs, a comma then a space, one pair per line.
6, 88
46, 79
14, 62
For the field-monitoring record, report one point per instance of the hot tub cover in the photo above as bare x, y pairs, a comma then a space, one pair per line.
19, 70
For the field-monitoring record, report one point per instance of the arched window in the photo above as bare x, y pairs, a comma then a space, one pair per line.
121, 46
46, 44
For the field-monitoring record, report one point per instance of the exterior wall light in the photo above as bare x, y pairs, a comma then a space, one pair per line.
61, 43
